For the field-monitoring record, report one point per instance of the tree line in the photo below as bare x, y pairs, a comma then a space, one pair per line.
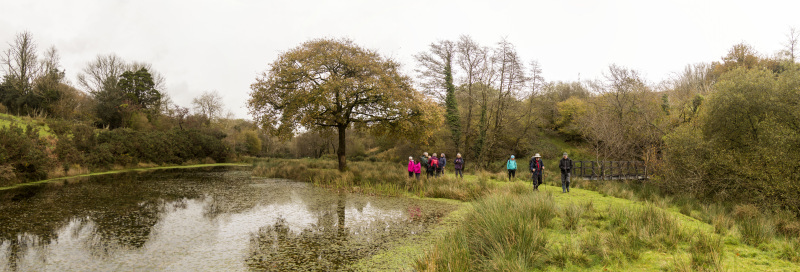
117, 113
723, 130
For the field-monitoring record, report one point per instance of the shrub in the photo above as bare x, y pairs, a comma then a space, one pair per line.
25, 151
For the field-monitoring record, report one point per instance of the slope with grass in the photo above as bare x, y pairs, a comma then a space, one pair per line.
8, 120
515, 229
618, 226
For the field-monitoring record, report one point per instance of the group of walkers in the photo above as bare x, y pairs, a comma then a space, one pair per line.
434, 167
536, 167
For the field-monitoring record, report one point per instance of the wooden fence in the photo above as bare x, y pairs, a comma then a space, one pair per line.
602, 170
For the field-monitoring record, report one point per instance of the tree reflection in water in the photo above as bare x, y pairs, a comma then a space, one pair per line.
214, 220
327, 245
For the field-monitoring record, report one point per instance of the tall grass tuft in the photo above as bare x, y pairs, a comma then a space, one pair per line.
722, 224
454, 254
505, 231
756, 231
790, 250
786, 224
647, 226
572, 216
519, 188
706, 251
679, 265
568, 252
754, 227
593, 243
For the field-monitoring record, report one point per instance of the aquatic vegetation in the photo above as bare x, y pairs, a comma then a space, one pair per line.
200, 219
381, 178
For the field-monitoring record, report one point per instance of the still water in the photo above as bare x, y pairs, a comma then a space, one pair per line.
213, 219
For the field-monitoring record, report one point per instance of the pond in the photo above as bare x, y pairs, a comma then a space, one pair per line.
210, 219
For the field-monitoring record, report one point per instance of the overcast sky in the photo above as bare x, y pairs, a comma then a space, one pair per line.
223, 45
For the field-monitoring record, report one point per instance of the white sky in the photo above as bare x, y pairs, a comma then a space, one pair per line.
223, 45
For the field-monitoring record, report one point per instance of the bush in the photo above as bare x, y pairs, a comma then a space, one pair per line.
25, 152
745, 143
126, 147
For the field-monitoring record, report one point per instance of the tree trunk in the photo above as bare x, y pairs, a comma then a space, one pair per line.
342, 148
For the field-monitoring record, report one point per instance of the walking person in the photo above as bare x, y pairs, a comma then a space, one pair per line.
537, 166
511, 166
566, 167
417, 167
442, 164
459, 165
433, 164
411, 165
423, 160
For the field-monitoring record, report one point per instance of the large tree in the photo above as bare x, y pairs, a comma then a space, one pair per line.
334, 83
436, 70
102, 74
139, 88
31, 85
20, 62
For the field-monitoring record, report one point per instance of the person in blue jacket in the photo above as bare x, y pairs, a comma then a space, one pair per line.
511, 166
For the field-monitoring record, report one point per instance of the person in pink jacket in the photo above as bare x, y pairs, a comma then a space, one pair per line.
411, 167
417, 169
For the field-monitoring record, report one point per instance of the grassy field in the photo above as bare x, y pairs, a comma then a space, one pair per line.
515, 229
609, 226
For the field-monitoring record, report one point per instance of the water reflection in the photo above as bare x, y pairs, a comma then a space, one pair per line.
211, 221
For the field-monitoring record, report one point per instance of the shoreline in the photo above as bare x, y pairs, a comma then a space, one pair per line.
120, 171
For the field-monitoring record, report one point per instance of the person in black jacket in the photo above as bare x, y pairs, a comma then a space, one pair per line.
442, 164
566, 167
424, 162
536, 166
459, 165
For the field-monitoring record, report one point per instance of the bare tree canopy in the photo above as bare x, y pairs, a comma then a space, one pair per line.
20, 62
101, 73
209, 104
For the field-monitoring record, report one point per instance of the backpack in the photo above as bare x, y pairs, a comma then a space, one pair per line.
434, 163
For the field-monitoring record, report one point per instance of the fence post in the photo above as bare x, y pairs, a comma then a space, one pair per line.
603, 169
628, 170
